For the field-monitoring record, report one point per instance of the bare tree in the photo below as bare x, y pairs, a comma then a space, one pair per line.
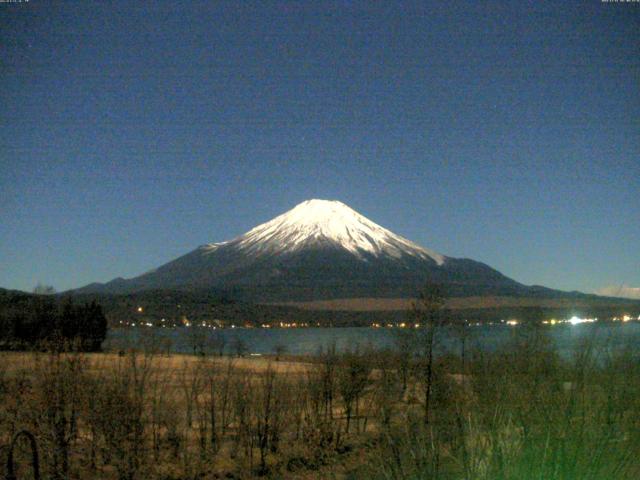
218, 342
329, 360
405, 345
280, 349
240, 347
428, 312
353, 377
41, 289
197, 339
60, 384
264, 412
388, 389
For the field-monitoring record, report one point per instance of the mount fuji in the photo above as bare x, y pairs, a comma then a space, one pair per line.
318, 250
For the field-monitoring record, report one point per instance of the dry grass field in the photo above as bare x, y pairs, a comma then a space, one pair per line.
517, 413
174, 364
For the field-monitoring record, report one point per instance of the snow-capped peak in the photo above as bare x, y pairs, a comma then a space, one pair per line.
327, 222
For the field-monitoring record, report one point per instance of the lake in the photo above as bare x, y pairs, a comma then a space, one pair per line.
302, 341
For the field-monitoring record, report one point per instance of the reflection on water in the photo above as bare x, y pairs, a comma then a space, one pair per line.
303, 341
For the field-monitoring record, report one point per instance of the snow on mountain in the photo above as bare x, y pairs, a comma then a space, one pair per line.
324, 222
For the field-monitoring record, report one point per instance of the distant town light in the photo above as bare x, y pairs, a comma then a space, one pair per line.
140, 309
512, 322
577, 320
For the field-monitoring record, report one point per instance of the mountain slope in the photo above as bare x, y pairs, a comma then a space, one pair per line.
318, 250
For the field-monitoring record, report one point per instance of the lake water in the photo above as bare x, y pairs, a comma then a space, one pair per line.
301, 341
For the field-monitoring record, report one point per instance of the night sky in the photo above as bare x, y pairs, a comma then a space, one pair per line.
134, 131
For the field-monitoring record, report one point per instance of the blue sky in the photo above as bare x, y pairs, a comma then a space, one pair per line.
506, 132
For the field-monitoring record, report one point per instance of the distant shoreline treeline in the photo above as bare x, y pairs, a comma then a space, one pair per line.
213, 307
174, 311
34, 322
176, 308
